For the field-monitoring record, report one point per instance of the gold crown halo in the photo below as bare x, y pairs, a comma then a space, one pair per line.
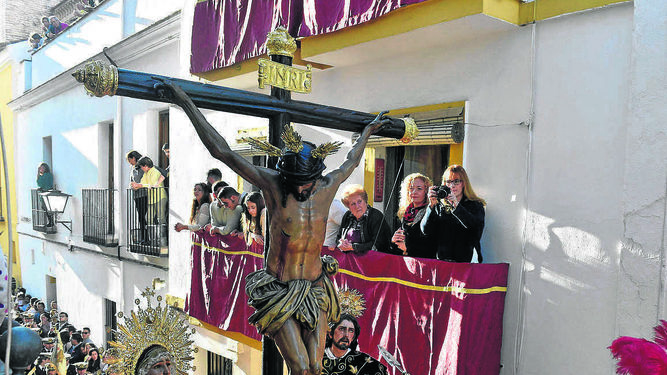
352, 302
292, 139
148, 327
294, 143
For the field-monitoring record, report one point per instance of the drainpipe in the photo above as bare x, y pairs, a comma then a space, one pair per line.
10, 252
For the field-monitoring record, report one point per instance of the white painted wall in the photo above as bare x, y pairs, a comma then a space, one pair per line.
576, 202
77, 125
107, 25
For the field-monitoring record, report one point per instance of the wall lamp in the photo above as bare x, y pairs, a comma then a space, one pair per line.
55, 202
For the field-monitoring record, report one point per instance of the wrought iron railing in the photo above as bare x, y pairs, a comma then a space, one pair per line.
147, 221
98, 216
42, 221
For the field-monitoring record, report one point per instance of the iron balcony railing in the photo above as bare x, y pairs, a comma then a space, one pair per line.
98, 216
42, 221
147, 221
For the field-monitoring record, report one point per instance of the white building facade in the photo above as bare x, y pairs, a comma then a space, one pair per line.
564, 138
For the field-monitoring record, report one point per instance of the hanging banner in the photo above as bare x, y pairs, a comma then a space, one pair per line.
378, 193
435, 317
226, 32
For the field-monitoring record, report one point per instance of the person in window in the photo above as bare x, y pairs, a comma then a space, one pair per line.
44, 183
254, 220
457, 221
200, 213
44, 177
409, 238
157, 197
363, 227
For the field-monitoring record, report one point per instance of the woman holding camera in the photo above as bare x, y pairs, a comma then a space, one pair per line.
409, 238
456, 218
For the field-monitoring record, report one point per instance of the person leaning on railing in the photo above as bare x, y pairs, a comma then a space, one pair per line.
363, 227
457, 220
254, 219
409, 238
44, 177
200, 212
139, 195
157, 198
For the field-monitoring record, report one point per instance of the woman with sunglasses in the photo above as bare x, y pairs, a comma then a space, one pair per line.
457, 220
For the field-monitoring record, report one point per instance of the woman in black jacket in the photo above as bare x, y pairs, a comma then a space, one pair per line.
409, 239
363, 227
457, 220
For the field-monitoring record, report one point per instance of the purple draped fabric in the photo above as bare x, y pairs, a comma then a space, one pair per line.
226, 32
435, 317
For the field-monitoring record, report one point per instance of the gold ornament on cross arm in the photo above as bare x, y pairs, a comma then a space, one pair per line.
98, 78
411, 130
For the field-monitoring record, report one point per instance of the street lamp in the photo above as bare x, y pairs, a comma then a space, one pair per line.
55, 202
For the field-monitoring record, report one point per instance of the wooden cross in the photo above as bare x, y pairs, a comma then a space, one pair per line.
101, 79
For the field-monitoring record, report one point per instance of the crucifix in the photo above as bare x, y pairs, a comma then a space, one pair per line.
293, 295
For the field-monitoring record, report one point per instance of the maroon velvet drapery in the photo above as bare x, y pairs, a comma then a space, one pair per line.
435, 317
226, 32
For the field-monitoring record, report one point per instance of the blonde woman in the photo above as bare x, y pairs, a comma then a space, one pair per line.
409, 238
457, 220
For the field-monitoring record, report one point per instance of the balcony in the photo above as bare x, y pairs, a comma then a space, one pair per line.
42, 221
147, 221
98, 216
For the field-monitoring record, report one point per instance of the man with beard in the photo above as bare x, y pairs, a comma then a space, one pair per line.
341, 356
293, 296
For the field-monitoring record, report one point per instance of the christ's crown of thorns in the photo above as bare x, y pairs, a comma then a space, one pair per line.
293, 143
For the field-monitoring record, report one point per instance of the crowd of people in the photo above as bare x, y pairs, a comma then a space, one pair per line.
52, 26
446, 227
83, 356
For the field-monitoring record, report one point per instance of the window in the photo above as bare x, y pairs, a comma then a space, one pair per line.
218, 365
110, 320
441, 131
163, 137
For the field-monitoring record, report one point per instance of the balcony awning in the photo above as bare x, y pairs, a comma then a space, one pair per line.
226, 32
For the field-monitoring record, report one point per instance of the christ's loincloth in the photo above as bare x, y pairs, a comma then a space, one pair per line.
276, 301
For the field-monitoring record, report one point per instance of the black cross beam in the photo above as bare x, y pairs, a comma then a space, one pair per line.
97, 77
102, 79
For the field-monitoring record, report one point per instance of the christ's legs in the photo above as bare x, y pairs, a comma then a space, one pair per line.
289, 341
315, 341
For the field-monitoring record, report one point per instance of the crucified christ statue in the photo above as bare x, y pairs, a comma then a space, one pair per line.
293, 296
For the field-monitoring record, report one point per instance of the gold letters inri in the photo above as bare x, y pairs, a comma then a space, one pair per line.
284, 76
